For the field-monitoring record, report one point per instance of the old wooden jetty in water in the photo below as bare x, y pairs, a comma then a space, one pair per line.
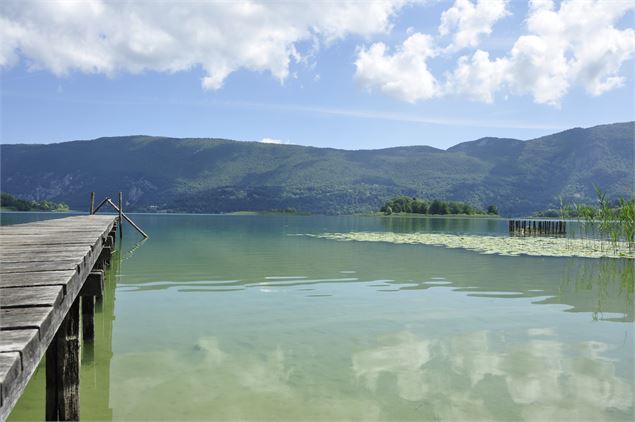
537, 227
47, 270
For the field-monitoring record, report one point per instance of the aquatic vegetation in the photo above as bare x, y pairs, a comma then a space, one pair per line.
501, 245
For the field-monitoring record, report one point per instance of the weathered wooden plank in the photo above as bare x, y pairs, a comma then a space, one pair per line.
49, 230
43, 250
23, 296
42, 258
59, 238
30, 296
45, 278
78, 221
29, 267
26, 342
10, 369
56, 242
38, 317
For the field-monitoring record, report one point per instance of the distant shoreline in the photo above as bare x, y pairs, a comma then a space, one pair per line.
415, 215
304, 214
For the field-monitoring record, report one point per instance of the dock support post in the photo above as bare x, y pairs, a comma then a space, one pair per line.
88, 318
120, 214
62, 369
92, 203
110, 241
92, 292
104, 258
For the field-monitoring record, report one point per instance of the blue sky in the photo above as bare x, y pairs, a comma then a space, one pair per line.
346, 75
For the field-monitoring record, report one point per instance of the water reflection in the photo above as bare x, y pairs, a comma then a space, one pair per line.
464, 377
314, 329
439, 224
603, 288
403, 356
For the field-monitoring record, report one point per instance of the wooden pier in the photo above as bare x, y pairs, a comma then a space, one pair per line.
47, 270
537, 227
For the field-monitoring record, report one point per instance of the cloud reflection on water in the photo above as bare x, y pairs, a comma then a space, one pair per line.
454, 377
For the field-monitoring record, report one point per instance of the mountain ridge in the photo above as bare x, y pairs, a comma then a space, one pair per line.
221, 175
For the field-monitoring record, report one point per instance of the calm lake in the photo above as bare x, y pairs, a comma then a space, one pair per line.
245, 318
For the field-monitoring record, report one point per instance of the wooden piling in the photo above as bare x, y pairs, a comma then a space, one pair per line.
104, 258
62, 369
88, 318
92, 203
42, 319
533, 227
120, 214
91, 291
110, 240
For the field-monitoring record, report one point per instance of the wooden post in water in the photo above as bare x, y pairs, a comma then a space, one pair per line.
111, 240
92, 203
120, 214
62, 369
88, 318
103, 260
92, 290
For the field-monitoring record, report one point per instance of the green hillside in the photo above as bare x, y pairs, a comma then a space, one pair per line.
218, 175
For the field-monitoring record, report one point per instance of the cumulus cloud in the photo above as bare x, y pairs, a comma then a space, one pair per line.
576, 44
96, 36
478, 77
467, 21
403, 74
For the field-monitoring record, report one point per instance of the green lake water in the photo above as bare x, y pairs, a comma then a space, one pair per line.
245, 318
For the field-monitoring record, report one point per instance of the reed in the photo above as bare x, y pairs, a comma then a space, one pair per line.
611, 225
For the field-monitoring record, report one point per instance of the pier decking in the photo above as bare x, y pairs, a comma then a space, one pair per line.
45, 267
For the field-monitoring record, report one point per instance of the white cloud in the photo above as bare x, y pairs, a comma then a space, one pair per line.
479, 78
467, 21
96, 36
272, 141
404, 74
576, 44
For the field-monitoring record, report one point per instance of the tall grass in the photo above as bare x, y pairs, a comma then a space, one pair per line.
612, 224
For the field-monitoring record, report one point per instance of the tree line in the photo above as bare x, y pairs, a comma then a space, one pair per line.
10, 202
410, 205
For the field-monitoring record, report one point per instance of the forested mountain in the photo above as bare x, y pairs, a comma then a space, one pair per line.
219, 175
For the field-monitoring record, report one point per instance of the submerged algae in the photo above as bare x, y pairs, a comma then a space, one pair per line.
501, 245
